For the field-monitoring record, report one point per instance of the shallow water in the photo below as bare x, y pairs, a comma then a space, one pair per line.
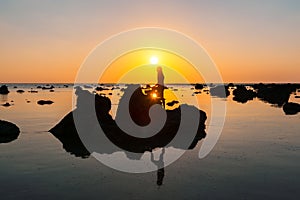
256, 157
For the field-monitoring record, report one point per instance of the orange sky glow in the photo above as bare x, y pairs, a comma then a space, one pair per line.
248, 41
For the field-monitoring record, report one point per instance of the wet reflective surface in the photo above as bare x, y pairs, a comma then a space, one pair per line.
257, 155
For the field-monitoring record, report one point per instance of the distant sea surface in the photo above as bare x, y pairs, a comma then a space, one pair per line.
256, 157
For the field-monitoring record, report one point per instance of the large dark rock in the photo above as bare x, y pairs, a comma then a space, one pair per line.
4, 89
8, 131
291, 108
242, 95
67, 133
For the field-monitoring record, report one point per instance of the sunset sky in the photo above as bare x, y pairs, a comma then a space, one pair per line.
250, 41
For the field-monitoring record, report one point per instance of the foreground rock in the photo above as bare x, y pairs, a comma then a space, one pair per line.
4, 89
139, 107
45, 102
8, 131
291, 108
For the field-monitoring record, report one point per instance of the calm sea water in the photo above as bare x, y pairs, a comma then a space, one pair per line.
256, 157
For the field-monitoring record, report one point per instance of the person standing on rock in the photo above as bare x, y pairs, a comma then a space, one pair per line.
160, 84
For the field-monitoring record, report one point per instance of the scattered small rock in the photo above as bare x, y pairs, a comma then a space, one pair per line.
45, 102
33, 91
100, 88
47, 87
20, 91
230, 85
199, 86
6, 104
172, 103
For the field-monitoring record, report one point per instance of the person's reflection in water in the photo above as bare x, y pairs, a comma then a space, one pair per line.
160, 167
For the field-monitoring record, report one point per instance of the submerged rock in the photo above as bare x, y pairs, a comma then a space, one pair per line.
4, 89
8, 131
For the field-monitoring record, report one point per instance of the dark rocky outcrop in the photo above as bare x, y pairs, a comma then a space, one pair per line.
275, 94
291, 108
242, 94
139, 106
8, 131
4, 89
45, 102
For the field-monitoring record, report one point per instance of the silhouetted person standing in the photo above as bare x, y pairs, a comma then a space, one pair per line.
160, 84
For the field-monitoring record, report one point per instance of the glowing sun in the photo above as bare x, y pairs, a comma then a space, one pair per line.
153, 60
